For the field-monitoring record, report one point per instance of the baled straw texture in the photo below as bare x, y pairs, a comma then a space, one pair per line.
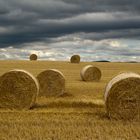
18, 90
52, 83
33, 57
122, 96
75, 59
90, 73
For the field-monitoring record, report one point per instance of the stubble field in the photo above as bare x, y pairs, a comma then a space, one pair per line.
77, 115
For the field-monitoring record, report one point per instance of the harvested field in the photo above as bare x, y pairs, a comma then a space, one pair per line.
78, 114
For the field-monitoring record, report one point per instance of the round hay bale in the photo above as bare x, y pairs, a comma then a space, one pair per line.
52, 83
90, 73
33, 57
18, 90
122, 96
75, 59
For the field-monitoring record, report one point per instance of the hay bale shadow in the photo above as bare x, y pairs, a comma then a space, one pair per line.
66, 94
68, 104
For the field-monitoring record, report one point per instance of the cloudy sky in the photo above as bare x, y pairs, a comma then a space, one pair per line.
57, 29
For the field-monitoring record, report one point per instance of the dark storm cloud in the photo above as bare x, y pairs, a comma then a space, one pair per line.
108, 5
33, 20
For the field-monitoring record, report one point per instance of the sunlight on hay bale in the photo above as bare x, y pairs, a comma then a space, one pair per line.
18, 90
52, 83
75, 59
90, 73
33, 57
122, 96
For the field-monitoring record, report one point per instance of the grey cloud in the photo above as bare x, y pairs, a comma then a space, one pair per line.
44, 28
89, 50
108, 5
32, 20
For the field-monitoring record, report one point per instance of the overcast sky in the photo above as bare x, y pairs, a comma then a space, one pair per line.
57, 29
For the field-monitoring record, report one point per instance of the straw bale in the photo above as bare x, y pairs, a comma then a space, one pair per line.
90, 73
122, 96
18, 90
75, 59
52, 83
33, 57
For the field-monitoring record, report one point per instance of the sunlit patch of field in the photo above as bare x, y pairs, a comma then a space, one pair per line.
78, 114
